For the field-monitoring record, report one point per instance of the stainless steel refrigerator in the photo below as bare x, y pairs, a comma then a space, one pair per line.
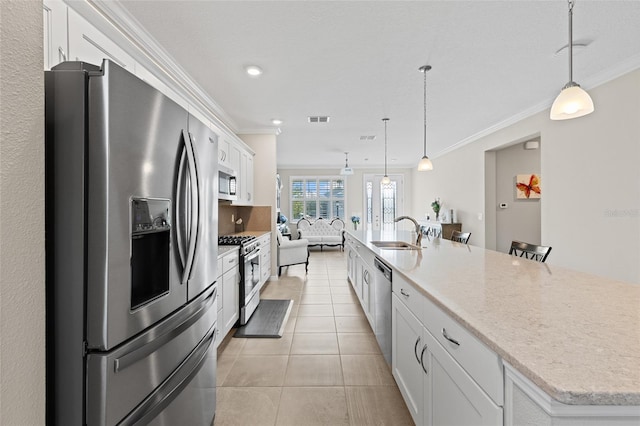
131, 240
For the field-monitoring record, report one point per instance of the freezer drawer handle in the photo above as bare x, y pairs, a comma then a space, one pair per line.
146, 350
173, 385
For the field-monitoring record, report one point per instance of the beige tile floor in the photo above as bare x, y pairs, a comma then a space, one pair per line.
327, 368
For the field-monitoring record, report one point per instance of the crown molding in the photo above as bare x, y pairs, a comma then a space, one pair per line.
261, 131
628, 65
119, 24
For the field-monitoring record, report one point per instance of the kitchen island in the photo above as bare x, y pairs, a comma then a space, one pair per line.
569, 340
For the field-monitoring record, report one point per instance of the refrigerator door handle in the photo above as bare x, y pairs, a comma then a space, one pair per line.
181, 234
152, 346
191, 205
173, 385
195, 204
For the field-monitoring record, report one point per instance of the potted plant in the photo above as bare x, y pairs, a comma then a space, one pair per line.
356, 222
436, 207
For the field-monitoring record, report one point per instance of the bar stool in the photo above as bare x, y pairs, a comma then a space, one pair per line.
461, 237
529, 251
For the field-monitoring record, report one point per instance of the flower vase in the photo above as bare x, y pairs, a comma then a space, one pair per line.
437, 217
355, 226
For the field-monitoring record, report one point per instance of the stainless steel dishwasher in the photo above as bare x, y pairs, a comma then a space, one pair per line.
382, 307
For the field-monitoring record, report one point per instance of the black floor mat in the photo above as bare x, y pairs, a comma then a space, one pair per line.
268, 320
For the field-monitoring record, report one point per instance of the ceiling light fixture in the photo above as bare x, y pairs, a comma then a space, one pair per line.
346, 170
385, 180
276, 121
425, 164
253, 70
573, 101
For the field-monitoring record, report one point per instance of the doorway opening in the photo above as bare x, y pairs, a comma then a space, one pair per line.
382, 202
509, 216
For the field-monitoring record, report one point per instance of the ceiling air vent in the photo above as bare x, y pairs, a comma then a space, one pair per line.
319, 119
367, 138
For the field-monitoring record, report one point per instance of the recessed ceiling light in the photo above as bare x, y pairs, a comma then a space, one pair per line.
276, 121
253, 70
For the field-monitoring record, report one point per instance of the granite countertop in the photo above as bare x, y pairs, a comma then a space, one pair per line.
575, 335
222, 250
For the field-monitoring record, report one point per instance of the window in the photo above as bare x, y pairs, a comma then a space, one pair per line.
315, 197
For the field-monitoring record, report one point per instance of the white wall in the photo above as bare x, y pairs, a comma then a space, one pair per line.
521, 219
591, 182
264, 181
22, 266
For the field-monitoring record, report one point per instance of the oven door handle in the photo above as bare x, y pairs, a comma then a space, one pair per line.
252, 255
173, 385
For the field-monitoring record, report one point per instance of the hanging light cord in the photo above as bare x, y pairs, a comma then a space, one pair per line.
571, 3
385, 145
425, 109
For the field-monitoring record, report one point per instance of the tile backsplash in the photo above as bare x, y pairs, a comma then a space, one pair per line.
254, 218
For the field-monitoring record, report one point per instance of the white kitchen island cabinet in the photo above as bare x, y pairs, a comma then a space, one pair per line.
437, 390
481, 338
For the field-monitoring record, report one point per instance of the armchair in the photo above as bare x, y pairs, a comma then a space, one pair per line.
292, 252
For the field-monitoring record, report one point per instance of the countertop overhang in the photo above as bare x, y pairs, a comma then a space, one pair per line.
575, 335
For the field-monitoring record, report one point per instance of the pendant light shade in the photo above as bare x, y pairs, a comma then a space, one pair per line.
346, 171
425, 164
573, 101
385, 180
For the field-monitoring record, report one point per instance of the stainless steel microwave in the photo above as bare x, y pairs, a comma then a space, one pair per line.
227, 184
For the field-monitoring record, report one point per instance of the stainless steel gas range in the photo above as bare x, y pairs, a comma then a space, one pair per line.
249, 272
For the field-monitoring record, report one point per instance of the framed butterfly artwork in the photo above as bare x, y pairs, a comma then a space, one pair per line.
528, 186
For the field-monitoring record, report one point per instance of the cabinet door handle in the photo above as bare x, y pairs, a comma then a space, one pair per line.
61, 55
415, 349
405, 294
422, 360
446, 336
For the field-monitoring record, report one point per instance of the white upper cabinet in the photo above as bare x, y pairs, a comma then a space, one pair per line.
56, 43
245, 178
88, 44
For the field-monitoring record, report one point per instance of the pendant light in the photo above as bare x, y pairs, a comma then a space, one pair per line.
346, 171
385, 180
425, 164
573, 101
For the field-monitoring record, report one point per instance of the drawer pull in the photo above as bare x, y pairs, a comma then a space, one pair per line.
422, 360
405, 294
446, 336
415, 349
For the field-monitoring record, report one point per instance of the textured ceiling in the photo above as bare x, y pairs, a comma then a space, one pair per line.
357, 62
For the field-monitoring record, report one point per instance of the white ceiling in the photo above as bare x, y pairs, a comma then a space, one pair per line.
357, 62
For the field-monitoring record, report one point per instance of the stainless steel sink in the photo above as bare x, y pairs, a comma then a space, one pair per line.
395, 245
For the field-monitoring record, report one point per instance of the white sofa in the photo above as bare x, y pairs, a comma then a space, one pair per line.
292, 252
322, 233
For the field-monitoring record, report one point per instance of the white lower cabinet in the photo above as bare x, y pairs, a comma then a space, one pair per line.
406, 344
265, 258
451, 395
228, 293
230, 299
436, 389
